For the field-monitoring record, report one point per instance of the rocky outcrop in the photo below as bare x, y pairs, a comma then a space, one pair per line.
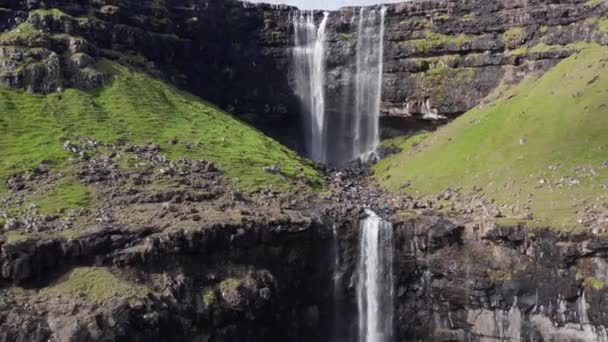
226, 283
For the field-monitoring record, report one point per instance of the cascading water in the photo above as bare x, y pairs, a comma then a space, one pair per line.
309, 64
368, 87
354, 130
375, 280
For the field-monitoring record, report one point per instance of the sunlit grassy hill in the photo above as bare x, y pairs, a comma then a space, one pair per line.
542, 144
137, 108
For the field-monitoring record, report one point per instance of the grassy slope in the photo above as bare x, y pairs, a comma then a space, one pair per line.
97, 283
540, 129
138, 109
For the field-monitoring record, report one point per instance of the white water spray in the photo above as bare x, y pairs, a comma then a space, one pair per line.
309, 64
375, 280
368, 87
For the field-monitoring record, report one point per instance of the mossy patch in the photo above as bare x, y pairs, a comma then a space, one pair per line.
68, 193
208, 296
22, 32
55, 13
602, 25
433, 41
230, 284
137, 108
545, 48
96, 283
593, 283
514, 37
534, 131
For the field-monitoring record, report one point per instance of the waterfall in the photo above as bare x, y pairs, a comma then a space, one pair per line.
368, 83
375, 280
309, 65
353, 132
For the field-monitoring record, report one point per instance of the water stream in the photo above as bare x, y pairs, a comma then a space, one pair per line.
375, 290
368, 83
355, 130
309, 66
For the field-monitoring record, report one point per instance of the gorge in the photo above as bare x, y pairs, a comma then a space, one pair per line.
148, 190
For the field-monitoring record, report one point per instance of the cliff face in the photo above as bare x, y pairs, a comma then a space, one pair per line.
441, 57
473, 281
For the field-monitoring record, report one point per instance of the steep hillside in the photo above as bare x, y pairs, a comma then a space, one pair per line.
539, 147
135, 108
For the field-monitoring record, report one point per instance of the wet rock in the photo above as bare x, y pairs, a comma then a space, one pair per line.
16, 183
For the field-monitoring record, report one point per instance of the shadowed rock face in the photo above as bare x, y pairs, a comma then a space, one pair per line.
441, 57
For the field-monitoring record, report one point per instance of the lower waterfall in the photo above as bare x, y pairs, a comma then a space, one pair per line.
375, 290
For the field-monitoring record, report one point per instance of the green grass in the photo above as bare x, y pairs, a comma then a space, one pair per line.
56, 13
540, 129
542, 47
67, 193
137, 108
514, 36
433, 40
602, 25
208, 296
593, 283
21, 32
96, 283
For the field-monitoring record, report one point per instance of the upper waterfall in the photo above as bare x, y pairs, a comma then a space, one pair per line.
309, 64
336, 136
368, 88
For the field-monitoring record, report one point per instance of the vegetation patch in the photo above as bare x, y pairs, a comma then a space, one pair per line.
208, 296
593, 3
433, 40
96, 283
593, 283
55, 13
514, 37
545, 48
22, 32
535, 145
68, 193
602, 25
139, 109
230, 285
